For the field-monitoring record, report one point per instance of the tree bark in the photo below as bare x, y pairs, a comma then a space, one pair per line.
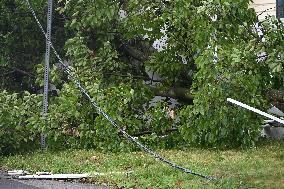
276, 95
135, 53
180, 93
276, 98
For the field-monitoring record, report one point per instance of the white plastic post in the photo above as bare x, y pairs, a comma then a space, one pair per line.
255, 110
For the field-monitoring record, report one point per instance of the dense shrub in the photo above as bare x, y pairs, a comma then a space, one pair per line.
213, 51
19, 121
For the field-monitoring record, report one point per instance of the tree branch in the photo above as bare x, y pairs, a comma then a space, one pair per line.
135, 53
23, 72
174, 92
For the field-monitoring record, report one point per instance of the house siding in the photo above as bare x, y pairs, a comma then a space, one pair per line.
269, 6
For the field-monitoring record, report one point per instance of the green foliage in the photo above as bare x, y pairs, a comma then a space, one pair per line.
213, 50
23, 45
98, 63
222, 48
19, 121
229, 67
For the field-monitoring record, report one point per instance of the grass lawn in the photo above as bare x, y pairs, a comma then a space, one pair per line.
260, 167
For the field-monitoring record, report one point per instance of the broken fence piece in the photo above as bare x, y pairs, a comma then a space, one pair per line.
45, 175
55, 176
18, 173
255, 110
93, 174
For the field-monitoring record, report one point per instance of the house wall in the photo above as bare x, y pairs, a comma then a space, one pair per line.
269, 6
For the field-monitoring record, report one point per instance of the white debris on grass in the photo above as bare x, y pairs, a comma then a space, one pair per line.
17, 173
47, 175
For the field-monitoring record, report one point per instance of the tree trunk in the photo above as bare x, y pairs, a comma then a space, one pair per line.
180, 93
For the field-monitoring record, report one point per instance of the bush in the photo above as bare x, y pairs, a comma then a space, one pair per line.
19, 115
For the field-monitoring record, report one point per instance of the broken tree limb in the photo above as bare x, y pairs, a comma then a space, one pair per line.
174, 92
135, 53
255, 110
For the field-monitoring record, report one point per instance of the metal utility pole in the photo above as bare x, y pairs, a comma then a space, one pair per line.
46, 71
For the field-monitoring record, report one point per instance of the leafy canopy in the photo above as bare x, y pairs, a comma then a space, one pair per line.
213, 50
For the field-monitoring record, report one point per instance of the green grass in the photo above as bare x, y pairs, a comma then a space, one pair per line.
261, 167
